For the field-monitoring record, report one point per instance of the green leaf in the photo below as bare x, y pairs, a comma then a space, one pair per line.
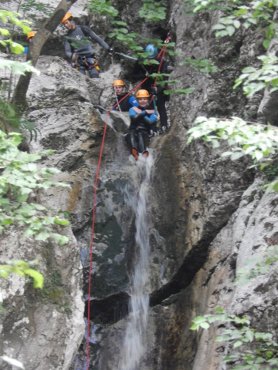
60, 221
204, 325
237, 344
37, 277
17, 48
60, 239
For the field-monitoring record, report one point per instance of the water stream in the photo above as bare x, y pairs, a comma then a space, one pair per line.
134, 344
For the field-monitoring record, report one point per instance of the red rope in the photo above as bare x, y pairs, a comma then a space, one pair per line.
93, 225
161, 54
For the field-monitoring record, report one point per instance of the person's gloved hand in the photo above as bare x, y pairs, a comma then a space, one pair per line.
73, 61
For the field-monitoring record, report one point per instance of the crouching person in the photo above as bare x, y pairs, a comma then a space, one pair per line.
142, 121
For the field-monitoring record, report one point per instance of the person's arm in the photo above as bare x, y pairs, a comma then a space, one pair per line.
68, 50
93, 36
151, 119
135, 114
132, 101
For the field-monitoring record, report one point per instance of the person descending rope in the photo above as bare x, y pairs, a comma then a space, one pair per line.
29, 37
141, 70
142, 120
123, 101
78, 47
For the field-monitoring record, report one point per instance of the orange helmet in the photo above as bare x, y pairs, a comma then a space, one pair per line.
118, 83
31, 34
67, 16
142, 94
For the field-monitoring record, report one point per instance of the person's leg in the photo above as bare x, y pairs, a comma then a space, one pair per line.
142, 142
93, 73
134, 143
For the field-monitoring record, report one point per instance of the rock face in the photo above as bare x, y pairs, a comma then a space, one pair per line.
206, 216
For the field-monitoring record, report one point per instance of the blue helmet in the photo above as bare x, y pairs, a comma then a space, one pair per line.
151, 50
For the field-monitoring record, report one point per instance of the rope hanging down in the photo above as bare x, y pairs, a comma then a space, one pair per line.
96, 182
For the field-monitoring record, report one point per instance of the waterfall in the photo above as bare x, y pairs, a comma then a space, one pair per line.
134, 343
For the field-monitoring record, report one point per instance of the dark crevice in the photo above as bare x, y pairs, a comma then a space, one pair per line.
109, 309
192, 263
113, 308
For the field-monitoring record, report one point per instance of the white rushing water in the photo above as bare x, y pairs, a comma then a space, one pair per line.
134, 344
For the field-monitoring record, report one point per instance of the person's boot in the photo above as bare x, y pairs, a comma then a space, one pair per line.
145, 154
134, 152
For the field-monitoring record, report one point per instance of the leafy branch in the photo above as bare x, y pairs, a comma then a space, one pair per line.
240, 336
255, 79
255, 140
153, 11
20, 180
202, 65
244, 15
13, 18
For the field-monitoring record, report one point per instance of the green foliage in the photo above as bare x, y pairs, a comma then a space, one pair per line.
241, 14
20, 179
255, 140
207, 5
14, 19
240, 336
18, 68
103, 7
202, 65
153, 11
122, 34
15, 67
150, 11
226, 26
253, 268
22, 268
255, 79
7, 16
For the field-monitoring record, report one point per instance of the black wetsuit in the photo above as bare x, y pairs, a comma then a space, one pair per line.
125, 104
140, 125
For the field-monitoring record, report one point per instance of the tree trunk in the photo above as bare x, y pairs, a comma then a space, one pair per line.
19, 97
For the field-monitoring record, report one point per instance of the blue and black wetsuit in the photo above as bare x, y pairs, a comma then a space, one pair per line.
140, 125
139, 73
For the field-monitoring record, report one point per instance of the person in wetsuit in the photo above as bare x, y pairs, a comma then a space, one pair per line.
142, 120
141, 70
78, 46
123, 101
